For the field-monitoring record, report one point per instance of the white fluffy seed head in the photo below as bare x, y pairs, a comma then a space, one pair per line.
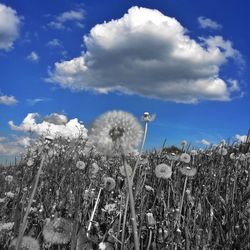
116, 132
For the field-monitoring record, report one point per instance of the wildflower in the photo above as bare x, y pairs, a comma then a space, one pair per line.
172, 157
185, 157
186, 170
57, 231
9, 178
81, 165
6, 226
222, 151
128, 168
109, 183
116, 132
28, 243
163, 171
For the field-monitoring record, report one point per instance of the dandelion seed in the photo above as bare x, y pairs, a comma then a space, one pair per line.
109, 183
185, 157
57, 231
188, 171
163, 171
81, 165
116, 132
28, 243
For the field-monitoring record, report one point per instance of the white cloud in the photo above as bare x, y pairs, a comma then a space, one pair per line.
54, 125
208, 23
34, 101
75, 16
149, 54
33, 56
205, 142
7, 100
54, 43
9, 27
241, 138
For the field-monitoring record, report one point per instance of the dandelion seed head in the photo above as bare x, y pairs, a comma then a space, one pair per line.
163, 171
128, 168
6, 226
188, 171
80, 165
57, 231
28, 243
116, 132
109, 183
185, 157
9, 178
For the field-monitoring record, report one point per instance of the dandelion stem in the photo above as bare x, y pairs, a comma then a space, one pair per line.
182, 199
24, 224
132, 209
93, 213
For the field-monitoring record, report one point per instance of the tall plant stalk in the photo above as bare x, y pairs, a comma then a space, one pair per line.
24, 223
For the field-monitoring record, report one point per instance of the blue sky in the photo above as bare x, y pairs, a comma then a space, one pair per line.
185, 61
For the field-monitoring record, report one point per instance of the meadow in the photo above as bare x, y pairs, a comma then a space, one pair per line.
66, 194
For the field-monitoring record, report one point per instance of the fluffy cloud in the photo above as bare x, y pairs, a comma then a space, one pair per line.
33, 56
7, 100
34, 101
149, 54
208, 23
54, 125
9, 27
75, 16
241, 138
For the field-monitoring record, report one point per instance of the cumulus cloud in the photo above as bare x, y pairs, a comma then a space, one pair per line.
75, 16
208, 23
54, 125
9, 27
33, 57
7, 100
148, 53
241, 138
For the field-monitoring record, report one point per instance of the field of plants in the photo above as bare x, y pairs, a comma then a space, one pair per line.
101, 193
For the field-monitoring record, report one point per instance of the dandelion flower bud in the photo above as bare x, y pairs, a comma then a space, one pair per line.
151, 222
